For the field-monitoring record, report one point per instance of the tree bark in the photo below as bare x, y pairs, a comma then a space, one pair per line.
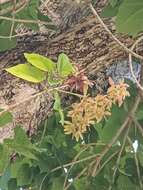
87, 44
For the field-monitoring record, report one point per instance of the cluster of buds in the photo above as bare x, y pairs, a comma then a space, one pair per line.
93, 109
79, 82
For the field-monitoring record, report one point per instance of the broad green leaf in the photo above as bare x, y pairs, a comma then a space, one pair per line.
21, 144
4, 157
130, 17
12, 184
5, 118
4, 179
64, 66
58, 108
113, 123
15, 166
57, 184
81, 184
111, 9
24, 175
113, 2
27, 72
41, 62
43, 17
32, 8
6, 43
125, 183
139, 112
30, 12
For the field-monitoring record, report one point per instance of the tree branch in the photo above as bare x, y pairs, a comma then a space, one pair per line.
112, 35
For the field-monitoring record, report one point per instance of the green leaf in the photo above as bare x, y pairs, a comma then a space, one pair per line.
4, 179
125, 183
21, 144
27, 72
57, 184
12, 184
113, 123
6, 43
24, 175
57, 107
40, 62
111, 9
139, 112
64, 66
4, 157
5, 118
113, 2
81, 184
32, 8
130, 17
15, 166
30, 13
43, 17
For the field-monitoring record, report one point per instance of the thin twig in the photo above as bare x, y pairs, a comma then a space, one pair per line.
108, 160
137, 163
25, 21
119, 157
70, 93
135, 106
13, 17
67, 165
112, 35
110, 145
77, 177
11, 107
4, 1
138, 125
75, 159
9, 9
131, 66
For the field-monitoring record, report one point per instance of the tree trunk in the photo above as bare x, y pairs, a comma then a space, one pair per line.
87, 44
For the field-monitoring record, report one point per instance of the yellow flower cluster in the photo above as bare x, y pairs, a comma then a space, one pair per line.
117, 92
90, 110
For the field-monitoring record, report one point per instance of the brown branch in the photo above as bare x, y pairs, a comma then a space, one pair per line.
9, 9
137, 164
131, 66
114, 139
24, 21
110, 145
112, 35
4, 1
119, 157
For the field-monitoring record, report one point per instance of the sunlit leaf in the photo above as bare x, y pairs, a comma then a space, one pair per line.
27, 72
64, 66
41, 62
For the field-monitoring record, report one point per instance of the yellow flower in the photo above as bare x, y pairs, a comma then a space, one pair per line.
90, 110
117, 92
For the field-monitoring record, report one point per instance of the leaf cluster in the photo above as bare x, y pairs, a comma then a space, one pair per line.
42, 162
23, 12
128, 15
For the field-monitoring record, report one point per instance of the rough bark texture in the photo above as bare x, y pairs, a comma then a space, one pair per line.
87, 44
